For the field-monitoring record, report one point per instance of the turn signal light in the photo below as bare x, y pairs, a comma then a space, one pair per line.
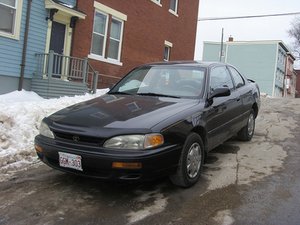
38, 148
153, 140
126, 165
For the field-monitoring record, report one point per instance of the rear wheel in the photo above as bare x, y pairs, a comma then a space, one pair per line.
246, 133
190, 163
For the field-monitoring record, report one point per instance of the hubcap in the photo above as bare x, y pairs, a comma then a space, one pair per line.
250, 125
194, 159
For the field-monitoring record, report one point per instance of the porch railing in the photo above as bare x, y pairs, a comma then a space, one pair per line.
55, 66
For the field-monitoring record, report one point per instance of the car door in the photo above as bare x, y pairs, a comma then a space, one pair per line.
221, 111
245, 95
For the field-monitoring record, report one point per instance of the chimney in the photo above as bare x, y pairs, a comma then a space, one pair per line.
230, 39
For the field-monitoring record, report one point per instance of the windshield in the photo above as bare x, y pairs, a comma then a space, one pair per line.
168, 81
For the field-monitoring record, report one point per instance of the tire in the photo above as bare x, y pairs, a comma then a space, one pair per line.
246, 133
190, 162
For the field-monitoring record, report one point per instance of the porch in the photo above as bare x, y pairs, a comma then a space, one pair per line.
59, 75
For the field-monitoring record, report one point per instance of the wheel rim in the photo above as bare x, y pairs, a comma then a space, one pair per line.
250, 125
194, 159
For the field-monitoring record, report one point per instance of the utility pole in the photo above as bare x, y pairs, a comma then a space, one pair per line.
221, 52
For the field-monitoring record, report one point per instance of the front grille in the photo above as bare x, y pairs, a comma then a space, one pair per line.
79, 138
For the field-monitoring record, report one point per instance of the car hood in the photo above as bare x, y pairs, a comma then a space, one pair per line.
111, 114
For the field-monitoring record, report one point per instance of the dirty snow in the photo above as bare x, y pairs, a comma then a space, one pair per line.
224, 217
20, 115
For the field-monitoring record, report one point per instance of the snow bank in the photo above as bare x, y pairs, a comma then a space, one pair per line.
20, 115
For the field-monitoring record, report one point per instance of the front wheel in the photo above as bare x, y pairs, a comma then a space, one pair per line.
246, 133
190, 163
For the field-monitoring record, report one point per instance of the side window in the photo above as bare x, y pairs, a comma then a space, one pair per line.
173, 6
219, 78
167, 51
238, 79
99, 33
10, 18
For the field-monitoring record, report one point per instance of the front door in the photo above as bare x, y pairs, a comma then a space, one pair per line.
57, 41
222, 113
57, 44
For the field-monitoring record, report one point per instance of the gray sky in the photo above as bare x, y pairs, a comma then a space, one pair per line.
267, 28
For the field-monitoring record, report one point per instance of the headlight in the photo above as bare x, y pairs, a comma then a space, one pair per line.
45, 130
135, 141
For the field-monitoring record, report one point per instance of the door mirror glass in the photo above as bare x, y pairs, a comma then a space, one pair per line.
220, 92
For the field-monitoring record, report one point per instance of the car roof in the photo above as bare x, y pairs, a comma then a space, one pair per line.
186, 63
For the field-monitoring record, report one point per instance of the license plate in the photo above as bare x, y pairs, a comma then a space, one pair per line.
70, 161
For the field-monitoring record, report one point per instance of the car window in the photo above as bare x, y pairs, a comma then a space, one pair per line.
220, 78
238, 79
138, 76
171, 80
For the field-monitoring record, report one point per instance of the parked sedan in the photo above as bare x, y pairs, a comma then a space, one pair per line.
159, 120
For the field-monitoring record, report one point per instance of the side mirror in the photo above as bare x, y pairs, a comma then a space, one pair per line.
218, 92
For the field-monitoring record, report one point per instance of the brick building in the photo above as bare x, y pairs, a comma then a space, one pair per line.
297, 83
119, 35
289, 88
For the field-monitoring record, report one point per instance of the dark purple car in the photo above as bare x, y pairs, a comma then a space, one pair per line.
159, 120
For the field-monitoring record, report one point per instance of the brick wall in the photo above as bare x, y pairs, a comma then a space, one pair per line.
298, 84
147, 27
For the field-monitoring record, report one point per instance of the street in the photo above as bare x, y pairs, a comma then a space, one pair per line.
254, 182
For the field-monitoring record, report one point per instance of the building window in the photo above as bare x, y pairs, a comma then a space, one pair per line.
107, 34
100, 37
167, 53
10, 18
99, 33
114, 48
157, 2
281, 58
173, 6
167, 50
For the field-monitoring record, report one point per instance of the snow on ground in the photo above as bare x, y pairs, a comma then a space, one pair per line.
20, 115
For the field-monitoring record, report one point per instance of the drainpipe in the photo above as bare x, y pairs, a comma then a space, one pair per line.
24, 51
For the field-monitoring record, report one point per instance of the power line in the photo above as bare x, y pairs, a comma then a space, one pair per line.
247, 17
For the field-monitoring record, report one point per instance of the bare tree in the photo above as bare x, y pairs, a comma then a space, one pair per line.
294, 32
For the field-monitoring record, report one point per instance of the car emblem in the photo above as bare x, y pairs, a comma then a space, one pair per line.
76, 138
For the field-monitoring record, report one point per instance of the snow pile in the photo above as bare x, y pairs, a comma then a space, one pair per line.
20, 115
20, 96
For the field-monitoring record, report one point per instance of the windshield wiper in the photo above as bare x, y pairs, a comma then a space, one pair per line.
118, 93
157, 94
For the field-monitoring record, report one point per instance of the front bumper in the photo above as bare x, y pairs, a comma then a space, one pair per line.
97, 162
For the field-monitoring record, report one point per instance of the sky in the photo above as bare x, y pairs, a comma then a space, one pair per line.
268, 28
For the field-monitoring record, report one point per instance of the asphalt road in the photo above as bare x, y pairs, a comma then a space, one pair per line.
257, 182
